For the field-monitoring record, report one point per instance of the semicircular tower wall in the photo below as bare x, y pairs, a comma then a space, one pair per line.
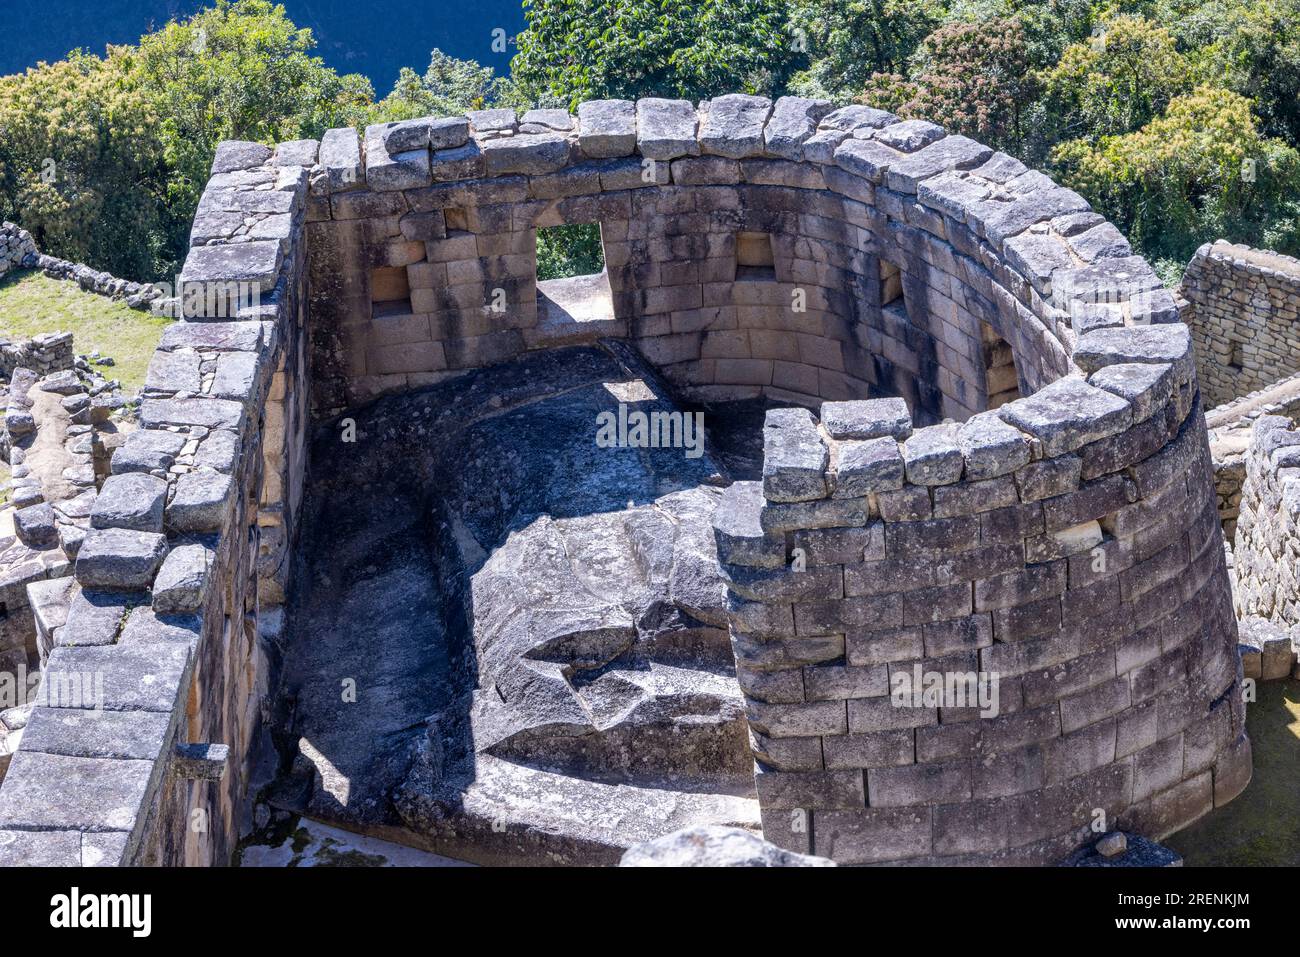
1058, 531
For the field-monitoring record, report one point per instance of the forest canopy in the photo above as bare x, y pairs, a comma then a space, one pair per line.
1178, 119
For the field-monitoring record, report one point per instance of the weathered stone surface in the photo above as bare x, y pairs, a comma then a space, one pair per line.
867, 419
129, 735
492, 121
991, 447
533, 154
147, 450
794, 457
35, 525
665, 129
908, 136
387, 172
933, 455
855, 117
132, 500
134, 677
340, 155
732, 125
739, 532
183, 580
1068, 414
56, 792
296, 153
119, 559
199, 502
715, 847
865, 467
793, 120
232, 155
607, 128
256, 264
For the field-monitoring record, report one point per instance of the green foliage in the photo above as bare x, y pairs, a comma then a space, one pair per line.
130, 137
564, 251
1201, 169
973, 78
574, 50
851, 40
238, 71
448, 87
1117, 80
80, 165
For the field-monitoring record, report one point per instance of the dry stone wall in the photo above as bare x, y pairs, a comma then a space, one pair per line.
179, 578
1267, 551
1242, 307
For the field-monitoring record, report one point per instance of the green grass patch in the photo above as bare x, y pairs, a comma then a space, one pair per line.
1261, 827
32, 303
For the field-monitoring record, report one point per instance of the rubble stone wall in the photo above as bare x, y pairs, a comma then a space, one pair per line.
1243, 310
180, 575
1230, 426
1267, 551
43, 354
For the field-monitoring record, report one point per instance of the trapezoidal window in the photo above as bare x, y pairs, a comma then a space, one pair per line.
755, 258
1000, 376
572, 282
390, 291
565, 252
891, 283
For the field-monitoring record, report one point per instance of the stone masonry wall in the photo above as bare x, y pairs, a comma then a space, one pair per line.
179, 576
423, 241
1231, 426
1067, 544
1066, 540
43, 354
18, 250
1243, 306
1267, 552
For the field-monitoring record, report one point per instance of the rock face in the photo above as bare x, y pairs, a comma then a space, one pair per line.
715, 847
547, 616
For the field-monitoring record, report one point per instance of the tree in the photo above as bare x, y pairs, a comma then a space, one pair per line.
973, 78
130, 137
1116, 81
238, 70
1249, 46
81, 166
849, 41
575, 50
1201, 170
448, 87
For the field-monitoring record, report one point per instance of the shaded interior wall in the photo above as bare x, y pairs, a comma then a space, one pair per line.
812, 327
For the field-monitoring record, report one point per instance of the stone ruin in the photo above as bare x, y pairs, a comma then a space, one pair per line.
369, 560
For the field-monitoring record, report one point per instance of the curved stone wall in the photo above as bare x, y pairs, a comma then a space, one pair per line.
1065, 541
750, 247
